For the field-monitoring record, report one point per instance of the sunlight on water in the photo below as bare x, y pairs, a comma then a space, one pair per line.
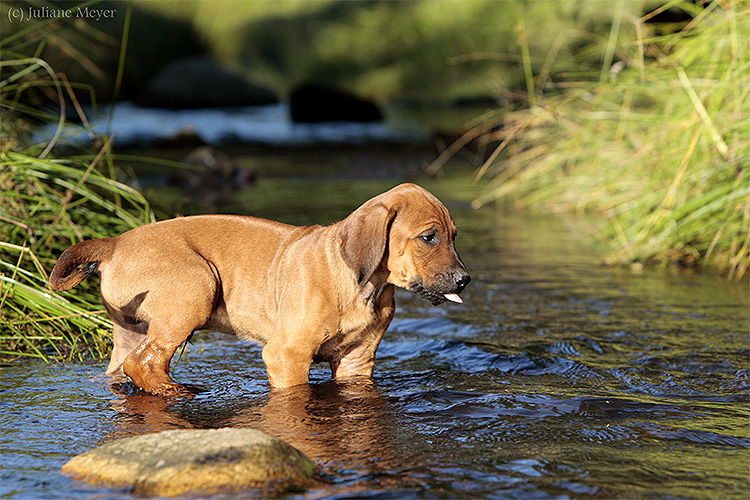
270, 124
556, 378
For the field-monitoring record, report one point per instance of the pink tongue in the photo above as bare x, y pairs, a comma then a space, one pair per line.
453, 297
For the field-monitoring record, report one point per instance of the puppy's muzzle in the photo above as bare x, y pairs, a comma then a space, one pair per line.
446, 287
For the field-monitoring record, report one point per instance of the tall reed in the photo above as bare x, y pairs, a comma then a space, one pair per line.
47, 205
659, 145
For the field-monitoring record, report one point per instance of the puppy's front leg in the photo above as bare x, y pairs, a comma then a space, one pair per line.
359, 361
287, 364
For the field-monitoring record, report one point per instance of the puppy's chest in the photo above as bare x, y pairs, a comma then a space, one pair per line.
357, 319
359, 323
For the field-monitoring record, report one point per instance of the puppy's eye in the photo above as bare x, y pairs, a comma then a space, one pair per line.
430, 238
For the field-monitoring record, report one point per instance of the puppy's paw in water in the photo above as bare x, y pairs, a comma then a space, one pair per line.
172, 390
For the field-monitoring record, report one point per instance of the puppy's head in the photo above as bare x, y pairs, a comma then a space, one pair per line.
405, 236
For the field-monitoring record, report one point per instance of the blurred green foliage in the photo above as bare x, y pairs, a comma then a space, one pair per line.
422, 51
410, 50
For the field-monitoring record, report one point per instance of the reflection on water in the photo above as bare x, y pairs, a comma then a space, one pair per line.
557, 378
271, 125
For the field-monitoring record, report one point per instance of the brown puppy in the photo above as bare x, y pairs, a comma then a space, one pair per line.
309, 294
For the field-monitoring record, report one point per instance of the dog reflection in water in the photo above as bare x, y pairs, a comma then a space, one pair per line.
350, 425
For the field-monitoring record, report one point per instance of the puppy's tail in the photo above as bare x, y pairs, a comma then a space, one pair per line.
67, 274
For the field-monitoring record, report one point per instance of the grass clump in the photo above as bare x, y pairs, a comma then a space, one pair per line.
47, 205
660, 144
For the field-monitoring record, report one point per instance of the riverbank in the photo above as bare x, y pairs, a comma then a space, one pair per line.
658, 145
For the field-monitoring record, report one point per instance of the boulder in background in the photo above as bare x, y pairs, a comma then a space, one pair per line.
314, 103
197, 82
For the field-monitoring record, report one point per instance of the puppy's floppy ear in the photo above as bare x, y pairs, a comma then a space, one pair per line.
364, 238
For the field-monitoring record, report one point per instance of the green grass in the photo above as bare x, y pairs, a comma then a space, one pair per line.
661, 148
47, 205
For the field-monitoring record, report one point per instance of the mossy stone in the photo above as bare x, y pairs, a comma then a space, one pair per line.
172, 463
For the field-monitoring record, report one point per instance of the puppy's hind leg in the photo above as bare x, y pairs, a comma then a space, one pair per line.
177, 297
172, 319
125, 341
148, 365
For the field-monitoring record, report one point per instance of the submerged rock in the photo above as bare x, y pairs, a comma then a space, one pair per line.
172, 463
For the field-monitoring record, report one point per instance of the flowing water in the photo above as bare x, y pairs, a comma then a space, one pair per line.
557, 378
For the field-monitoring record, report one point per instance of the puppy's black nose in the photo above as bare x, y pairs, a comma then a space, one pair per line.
461, 279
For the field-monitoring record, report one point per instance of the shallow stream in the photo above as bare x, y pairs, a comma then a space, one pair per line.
557, 378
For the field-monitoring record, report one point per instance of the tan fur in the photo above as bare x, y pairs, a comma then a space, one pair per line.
307, 294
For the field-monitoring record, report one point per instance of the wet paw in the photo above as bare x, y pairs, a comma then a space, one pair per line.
171, 390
